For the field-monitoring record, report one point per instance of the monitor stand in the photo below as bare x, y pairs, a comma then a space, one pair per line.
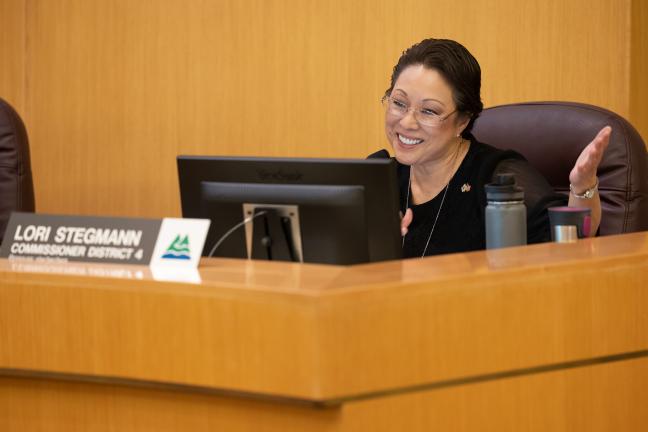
275, 234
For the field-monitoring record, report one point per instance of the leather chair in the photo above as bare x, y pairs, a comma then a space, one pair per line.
551, 135
16, 185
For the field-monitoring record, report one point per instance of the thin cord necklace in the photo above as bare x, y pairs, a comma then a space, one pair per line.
436, 218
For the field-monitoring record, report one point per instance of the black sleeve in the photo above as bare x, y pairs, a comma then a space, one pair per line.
380, 154
538, 197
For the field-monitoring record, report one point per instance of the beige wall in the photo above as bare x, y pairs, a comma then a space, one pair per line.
112, 91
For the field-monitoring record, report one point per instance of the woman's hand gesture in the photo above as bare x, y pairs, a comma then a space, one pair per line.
583, 175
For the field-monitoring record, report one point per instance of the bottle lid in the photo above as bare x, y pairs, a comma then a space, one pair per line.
504, 188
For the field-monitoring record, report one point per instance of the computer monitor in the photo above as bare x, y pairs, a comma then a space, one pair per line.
335, 211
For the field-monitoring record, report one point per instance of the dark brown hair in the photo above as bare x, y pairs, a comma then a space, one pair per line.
455, 64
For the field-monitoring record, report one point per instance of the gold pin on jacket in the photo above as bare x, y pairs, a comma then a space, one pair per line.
465, 187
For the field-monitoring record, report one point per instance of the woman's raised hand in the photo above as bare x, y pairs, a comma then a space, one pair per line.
583, 175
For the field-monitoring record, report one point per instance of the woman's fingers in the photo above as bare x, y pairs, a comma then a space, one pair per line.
583, 175
406, 221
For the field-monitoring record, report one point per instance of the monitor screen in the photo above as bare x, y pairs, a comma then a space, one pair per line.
334, 211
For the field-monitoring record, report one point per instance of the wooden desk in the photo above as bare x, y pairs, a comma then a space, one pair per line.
546, 337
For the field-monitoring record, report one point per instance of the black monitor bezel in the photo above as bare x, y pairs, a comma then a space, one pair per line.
376, 176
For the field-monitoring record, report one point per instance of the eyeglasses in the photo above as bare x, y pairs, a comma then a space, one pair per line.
425, 116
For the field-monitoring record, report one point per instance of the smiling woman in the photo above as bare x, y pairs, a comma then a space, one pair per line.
430, 106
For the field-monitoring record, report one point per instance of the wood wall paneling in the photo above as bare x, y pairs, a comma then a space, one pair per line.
116, 89
12, 53
639, 69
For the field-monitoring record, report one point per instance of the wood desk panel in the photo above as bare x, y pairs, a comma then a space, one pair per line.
343, 337
609, 397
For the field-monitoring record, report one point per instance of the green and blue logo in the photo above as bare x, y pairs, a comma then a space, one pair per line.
178, 249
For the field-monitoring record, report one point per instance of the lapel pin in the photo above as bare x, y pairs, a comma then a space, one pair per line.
465, 187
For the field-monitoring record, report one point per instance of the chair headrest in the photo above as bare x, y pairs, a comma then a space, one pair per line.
16, 186
551, 135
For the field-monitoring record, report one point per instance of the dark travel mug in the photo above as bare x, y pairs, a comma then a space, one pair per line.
569, 223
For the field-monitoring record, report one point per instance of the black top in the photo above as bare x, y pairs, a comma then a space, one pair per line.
461, 222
